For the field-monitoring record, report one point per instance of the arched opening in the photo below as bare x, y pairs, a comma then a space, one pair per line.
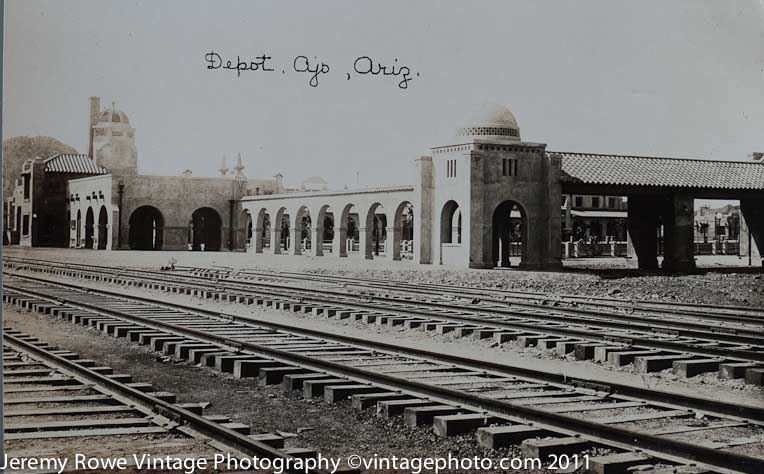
89, 228
79, 227
146, 229
403, 232
244, 232
509, 237
451, 224
376, 231
282, 240
450, 233
349, 233
303, 241
205, 230
263, 231
325, 231
103, 225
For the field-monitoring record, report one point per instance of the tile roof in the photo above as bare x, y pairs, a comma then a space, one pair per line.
68, 163
590, 168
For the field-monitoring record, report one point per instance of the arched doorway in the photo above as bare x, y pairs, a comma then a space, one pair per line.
349, 231
509, 236
244, 233
103, 225
262, 231
376, 231
205, 229
450, 233
282, 241
146, 229
89, 228
302, 231
403, 232
325, 232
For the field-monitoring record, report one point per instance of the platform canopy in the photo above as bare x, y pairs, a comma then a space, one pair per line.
589, 173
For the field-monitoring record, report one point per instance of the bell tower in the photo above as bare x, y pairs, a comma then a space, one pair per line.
114, 142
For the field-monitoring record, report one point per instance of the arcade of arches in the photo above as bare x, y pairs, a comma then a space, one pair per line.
333, 224
205, 229
487, 199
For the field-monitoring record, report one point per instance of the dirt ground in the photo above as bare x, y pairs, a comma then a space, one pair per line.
332, 429
705, 385
722, 279
337, 430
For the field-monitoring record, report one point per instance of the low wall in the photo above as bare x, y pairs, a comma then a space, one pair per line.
593, 249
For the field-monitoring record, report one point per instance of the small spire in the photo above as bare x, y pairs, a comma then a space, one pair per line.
239, 168
223, 167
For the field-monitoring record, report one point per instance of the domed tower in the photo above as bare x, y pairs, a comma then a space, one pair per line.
114, 142
488, 196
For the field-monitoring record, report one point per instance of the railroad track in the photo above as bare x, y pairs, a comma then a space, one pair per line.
57, 404
732, 350
545, 413
661, 308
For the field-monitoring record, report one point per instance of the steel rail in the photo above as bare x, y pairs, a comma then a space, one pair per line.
232, 439
738, 336
696, 309
725, 313
597, 432
698, 403
474, 292
481, 294
637, 341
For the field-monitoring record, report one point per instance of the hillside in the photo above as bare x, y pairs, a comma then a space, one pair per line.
17, 150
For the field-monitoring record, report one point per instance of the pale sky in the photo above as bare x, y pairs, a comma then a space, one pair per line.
676, 78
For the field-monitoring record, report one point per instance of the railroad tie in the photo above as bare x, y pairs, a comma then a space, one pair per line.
294, 382
655, 363
337, 393
736, 370
313, 388
585, 350
620, 463
755, 376
691, 368
252, 366
459, 424
543, 448
363, 401
391, 408
424, 415
495, 437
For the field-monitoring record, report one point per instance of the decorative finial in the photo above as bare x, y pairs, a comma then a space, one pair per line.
239, 168
223, 167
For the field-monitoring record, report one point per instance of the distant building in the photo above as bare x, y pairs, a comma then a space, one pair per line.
594, 218
315, 183
37, 208
100, 201
717, 224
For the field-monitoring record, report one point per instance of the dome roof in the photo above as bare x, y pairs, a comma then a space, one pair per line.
491, 122
113, 115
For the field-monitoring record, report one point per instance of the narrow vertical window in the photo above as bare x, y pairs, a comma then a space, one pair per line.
503, 166
515, 174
